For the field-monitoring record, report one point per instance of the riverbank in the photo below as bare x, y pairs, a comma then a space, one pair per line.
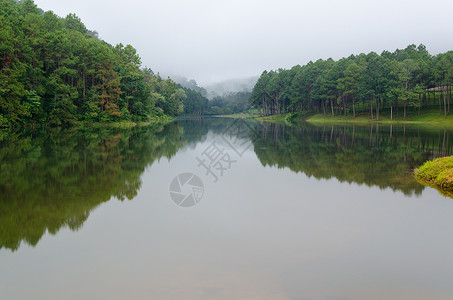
85, 124
126, 124
426, 116
236, 116
438, 174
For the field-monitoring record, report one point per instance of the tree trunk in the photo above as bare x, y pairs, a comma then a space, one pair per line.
449, 95
344, 105
391, 113
444, 92
404, 109
276, 102
331, 106
353, 106
377, 109
440, 103
397, 105
419, 104
371, 107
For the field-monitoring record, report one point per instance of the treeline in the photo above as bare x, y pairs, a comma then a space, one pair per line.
194, 102
55, 71
404, 78
230, 103
197, 103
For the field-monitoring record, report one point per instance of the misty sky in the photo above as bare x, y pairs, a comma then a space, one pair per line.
211, 40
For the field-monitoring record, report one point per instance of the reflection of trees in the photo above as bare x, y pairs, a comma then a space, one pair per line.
373, 155
53, 179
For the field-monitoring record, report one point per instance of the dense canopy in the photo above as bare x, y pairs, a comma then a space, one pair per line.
55, 71
404, 78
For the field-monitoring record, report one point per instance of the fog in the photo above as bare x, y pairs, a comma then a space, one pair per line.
211, 41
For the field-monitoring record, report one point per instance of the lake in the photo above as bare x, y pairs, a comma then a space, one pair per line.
224, 209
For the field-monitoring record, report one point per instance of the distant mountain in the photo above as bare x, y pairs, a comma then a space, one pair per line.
221, 88
188, 83
231, 86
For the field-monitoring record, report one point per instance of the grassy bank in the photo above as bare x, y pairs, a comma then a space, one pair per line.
90, 124
236, 116
127, 124
437, 173
427, 115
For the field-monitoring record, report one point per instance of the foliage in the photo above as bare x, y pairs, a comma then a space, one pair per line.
194, 102
405, 78
229, 103
438, 172
55, 71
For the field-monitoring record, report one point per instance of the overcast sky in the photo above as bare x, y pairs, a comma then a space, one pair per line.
213, 40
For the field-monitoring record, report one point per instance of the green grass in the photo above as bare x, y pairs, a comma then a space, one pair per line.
437, 173
428, 116
125, 124
276, 118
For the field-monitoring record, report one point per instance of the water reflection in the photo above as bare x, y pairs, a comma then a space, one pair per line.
51, 179
375, 155
54, 179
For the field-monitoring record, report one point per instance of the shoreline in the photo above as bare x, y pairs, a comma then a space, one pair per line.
423, 120
438, 174
83, 124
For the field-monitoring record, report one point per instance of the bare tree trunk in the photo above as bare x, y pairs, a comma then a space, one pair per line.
377, 109
404, 109
391, 113
419, 104
440, 103
444, 92
371, 107
331, 106
449, 95
276, 102
353, 106
344, 105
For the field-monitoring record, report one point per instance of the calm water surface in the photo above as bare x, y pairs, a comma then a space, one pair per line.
303, 212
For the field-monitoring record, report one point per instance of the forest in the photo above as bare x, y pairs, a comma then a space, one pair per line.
233, 101
55, 71
230, 103
364, 83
